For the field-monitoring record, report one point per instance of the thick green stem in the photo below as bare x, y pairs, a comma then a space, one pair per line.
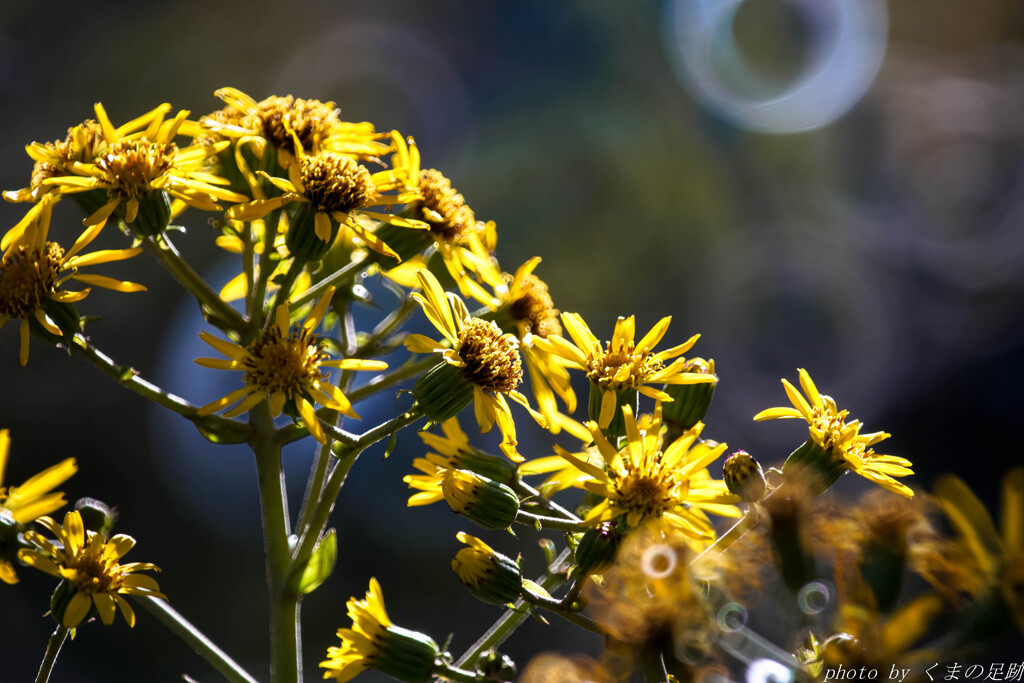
511, 619
381, 382
52, 650
249, 268
452, 673
213, 427
284, 607
194, 638
218, 311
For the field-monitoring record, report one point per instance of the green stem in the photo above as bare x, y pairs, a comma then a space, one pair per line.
282, 294
556, 607
735, 532
452, 673
52, 650
218, 311
529, 494
381, 382
213, 427
266, 269
508, 622
322, 510
530, 519
194, 638
284, 607
339, 277
385, 329
249, 268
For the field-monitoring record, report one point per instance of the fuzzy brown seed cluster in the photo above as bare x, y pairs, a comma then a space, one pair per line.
27, 277
492, 359
444, 208
332, 182
535, 306
290, 364
131, 165
310, 120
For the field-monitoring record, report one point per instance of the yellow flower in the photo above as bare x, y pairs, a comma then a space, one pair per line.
90, 566
998, 557
286, 364
829, 429
488, 360
289, 124
338, 189
622, 364
136, 169
374, 642
33, 270
84, 144
32, 499
643, 481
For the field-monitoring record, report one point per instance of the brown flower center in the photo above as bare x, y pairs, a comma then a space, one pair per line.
310, 120
621, 367
290, 364
444, 208
332, 182
534, 306
27, 278
649, 490
130, 166
492, 359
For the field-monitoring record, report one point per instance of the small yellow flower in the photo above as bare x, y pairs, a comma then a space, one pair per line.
642, 481
288, 124
374, 642
829, 429
622, 364
90, 565
488, 359
33, 270
135, 168
286, 364
338, 189
32, 499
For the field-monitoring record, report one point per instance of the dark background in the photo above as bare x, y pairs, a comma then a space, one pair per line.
882, 252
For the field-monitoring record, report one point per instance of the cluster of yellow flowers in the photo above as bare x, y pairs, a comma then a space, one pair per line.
313, 206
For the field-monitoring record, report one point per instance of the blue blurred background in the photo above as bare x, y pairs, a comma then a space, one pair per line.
828, 184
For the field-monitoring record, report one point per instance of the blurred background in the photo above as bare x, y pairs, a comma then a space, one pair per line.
829, 184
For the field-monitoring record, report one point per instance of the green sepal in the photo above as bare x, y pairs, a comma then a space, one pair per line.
406, 242
503, 582
623, 397
301, 238
443, 392
598, 547
689, 405
154, 213
406, 655
91, 201
813, 467
321, 563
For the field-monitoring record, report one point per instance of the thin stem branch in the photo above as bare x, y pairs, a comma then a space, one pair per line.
218, 311
194, 638
556, 607
380, 382
528, 492
281, 298
249, 268
339, 277
453, 673
385, 329
53, 646
508, 622
213, 427
530, 519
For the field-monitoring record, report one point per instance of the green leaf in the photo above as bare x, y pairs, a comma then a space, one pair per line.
321, 563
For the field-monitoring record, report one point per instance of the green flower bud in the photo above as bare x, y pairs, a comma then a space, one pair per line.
406, 242
744, 477
484, 501
501, 470
496, 666
443, 391
598, 547
690, 401
97, 516
490, 576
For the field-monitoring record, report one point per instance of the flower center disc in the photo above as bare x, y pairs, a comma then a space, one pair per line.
27, 278
335, 183
290, 364
492, 359
131, 165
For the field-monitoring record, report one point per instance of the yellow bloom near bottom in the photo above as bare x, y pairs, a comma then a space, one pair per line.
90, 566
374, 642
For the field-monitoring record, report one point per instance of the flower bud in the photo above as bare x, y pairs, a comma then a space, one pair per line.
406, 242
489, 575
690, 402
443, 391
598, 547
97, 516
496, 666
744, 477
484, 501
501, 470
406, 655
